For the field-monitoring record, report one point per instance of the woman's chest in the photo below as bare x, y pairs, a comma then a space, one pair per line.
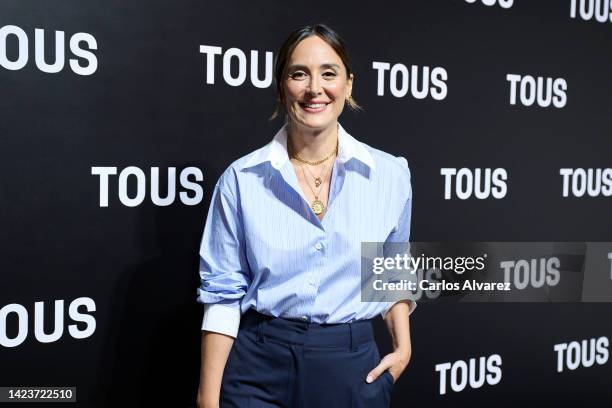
282, 219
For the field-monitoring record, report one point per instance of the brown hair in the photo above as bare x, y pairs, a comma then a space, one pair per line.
282, 58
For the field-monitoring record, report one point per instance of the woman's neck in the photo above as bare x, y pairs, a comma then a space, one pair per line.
312, 144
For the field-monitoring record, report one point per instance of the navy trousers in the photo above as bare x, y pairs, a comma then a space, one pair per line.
276, 362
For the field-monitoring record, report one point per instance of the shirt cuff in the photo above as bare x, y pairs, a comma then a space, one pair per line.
411, 306
222, 319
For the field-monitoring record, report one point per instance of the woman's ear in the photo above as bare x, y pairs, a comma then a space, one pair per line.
350, 85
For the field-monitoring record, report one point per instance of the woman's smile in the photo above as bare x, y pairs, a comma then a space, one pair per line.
312, 107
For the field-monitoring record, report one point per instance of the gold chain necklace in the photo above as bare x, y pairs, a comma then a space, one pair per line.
317, 180
312, 163
317, 205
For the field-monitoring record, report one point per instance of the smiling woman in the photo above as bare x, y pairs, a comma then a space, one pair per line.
298, 81
316, 85
284, 324
314, 80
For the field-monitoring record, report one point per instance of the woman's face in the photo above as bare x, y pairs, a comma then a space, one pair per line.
316, 84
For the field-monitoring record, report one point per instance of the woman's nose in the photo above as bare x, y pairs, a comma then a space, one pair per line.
314, 85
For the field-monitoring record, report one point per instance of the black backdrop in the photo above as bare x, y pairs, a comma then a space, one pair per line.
147, 104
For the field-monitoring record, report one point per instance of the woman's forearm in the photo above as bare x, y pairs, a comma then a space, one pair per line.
215, 350
398, 323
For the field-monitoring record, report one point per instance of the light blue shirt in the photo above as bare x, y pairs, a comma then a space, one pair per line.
264, 248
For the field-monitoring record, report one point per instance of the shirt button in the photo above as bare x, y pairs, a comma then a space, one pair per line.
318, 246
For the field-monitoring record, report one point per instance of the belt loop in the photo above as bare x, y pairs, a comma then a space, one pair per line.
353, 340
261, 335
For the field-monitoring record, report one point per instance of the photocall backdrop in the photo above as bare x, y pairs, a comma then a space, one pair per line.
118, 118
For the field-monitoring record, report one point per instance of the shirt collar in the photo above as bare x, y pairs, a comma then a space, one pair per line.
276, 150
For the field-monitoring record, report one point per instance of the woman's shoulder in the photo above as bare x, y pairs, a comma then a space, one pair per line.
229, 177
391, 171
388, 163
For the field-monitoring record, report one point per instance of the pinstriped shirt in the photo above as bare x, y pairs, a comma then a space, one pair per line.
264, 248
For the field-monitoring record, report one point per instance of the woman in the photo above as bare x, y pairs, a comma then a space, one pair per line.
284, 325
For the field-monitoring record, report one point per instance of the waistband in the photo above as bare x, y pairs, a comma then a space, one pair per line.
293, 332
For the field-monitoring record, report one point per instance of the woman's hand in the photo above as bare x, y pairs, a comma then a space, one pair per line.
398, 323
395, 362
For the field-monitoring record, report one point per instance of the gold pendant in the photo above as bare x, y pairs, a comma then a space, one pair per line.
318, 181
317, 207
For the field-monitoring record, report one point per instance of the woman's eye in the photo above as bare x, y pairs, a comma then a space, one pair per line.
302, 75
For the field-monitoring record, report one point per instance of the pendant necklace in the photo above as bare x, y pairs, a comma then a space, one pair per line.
317, 180
317, 205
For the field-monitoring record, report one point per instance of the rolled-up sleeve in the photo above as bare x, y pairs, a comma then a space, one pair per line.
224, 272
401, 234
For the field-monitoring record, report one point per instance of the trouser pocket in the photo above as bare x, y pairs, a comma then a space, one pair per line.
376, 394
